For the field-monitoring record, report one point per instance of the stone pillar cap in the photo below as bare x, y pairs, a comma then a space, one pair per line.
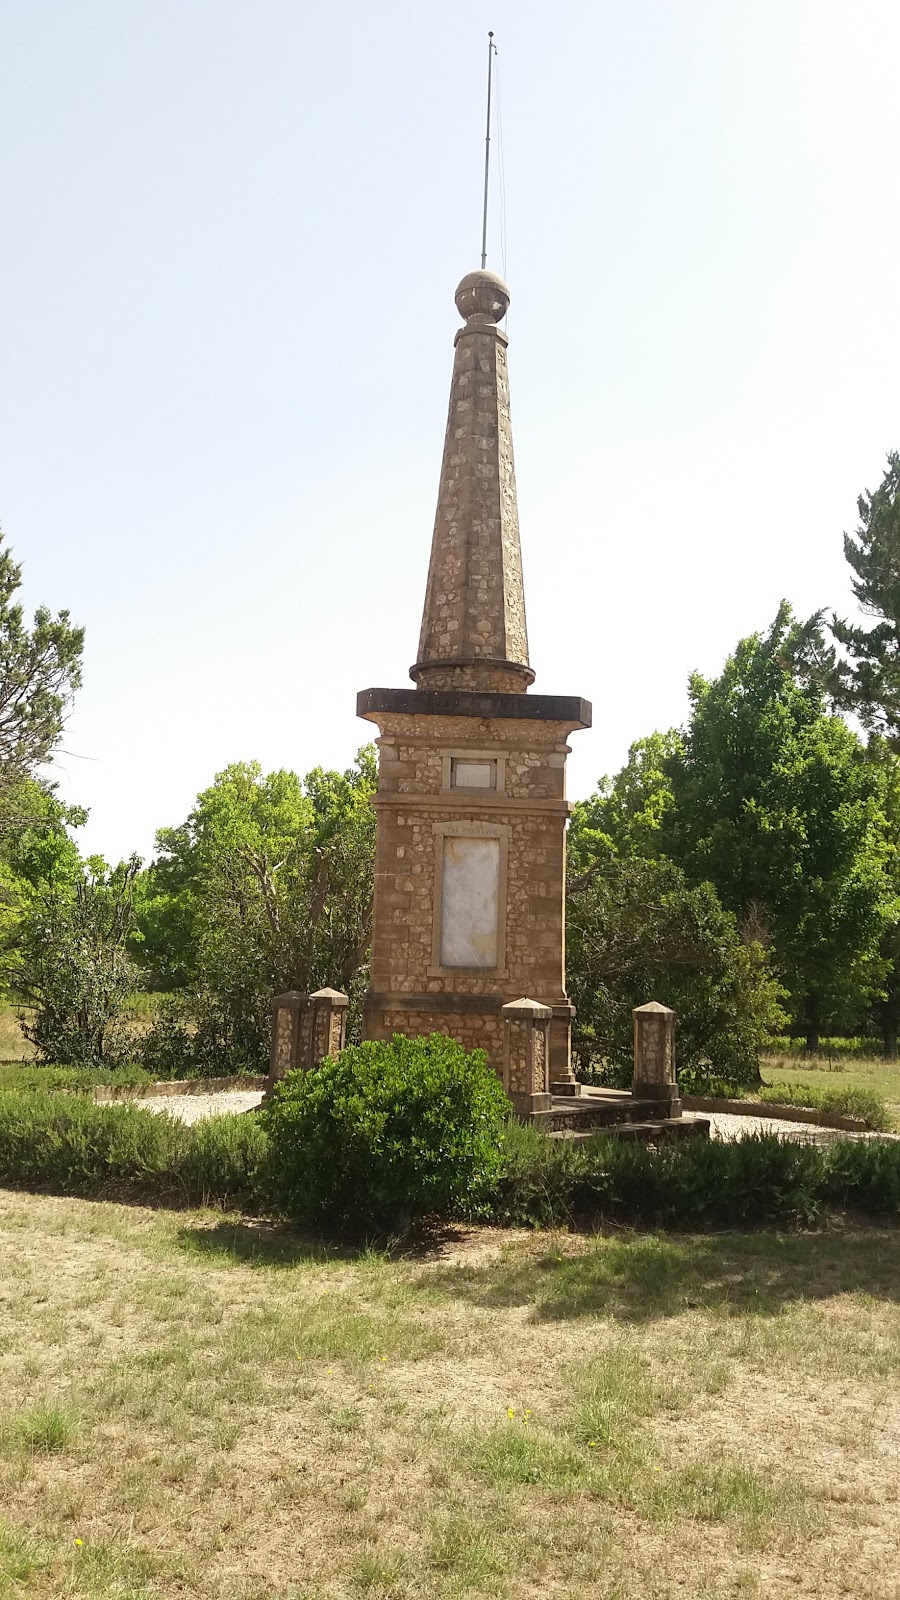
334, 995
525, 1008
653, 1009
288, 998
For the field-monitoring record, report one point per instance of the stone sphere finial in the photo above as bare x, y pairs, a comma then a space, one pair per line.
484, 295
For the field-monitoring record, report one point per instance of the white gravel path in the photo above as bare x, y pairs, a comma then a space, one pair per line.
722, 1125
194, 1107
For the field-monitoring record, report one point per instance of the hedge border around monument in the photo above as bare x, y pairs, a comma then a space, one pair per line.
66, 1144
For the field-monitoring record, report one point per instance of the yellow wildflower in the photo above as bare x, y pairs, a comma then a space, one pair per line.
510, 1412
79, 1543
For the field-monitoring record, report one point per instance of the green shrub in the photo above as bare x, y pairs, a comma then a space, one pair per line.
70, 1145
696, 1183
535, 1186
196, 1035
81, 1079
830, 1049
386, 1134
847, 1102
863, 1175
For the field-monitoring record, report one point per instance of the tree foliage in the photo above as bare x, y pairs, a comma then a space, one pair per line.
267, 886
778, 804
638, 931
40, 668
869, 682
67, 957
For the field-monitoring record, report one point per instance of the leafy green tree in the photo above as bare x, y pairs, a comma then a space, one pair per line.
267, 886
778, 805
638, 931
869, 682
40, 668
65, 951
885, 1006
628, 813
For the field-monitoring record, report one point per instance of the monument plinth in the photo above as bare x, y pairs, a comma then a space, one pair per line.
469, 911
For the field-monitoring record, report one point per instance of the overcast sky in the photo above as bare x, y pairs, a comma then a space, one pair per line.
230, 239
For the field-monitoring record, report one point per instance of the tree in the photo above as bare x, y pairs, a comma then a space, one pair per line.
65, 930
778, 805
638, 931
628, 813
869, 683
40, 669
270, 881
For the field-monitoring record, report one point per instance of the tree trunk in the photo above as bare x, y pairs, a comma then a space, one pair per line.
811, 1024
889, 1038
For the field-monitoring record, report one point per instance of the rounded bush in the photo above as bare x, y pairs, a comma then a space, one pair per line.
386, 1134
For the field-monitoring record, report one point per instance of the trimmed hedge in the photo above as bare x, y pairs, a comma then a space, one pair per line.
694, 1183
23, 1075
68, 1145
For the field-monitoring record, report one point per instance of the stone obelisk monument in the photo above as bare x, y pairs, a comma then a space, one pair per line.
470, 870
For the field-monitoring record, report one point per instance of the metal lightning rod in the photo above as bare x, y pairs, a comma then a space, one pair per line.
492, 51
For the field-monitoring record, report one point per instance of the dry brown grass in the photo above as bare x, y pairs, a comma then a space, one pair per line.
216, 1411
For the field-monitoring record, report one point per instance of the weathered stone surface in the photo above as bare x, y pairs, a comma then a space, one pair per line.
470, 866
474, 633
654, 1052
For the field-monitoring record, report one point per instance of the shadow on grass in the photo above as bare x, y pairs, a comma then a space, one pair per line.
639, 1277
261, 1243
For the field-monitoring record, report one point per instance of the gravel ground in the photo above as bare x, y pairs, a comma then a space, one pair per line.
723, 1125
193, 1107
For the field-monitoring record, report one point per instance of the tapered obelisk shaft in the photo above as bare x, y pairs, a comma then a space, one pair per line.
474, 634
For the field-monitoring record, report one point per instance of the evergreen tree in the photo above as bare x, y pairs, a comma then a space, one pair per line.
869, 683
40, 668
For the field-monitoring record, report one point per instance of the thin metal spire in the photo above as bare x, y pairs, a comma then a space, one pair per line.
492, 51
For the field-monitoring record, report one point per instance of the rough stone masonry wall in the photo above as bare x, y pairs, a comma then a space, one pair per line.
479, 1031
412, 800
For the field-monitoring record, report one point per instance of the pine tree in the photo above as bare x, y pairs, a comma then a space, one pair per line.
40, 668
869, 682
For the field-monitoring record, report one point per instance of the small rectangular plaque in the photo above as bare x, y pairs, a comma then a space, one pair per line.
474, 774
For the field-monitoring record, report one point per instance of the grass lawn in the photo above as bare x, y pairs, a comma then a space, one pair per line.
880, 1076
198, 1407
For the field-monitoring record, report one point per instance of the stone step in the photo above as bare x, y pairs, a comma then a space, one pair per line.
602, 1111
666, 1128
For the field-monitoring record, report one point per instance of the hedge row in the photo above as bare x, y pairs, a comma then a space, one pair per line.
67, 1144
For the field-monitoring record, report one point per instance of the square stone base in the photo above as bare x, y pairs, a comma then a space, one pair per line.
528, 1105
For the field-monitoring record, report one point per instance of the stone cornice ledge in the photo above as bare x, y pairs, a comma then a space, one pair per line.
466, 800
568, 709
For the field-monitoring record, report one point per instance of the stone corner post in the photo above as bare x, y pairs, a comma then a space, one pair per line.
328, 1008
526, 1055
654, 1055
286, 1046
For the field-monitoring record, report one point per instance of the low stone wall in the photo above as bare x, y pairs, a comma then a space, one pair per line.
177, 1086
770, 1108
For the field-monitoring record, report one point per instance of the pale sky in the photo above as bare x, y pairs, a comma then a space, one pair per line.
230, 239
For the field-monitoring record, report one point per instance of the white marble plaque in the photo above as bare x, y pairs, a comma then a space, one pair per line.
470, 899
